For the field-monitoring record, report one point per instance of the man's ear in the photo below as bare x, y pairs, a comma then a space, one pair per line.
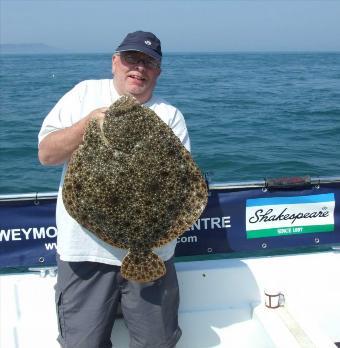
114, 58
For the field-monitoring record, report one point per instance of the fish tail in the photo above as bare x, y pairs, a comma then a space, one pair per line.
142, 267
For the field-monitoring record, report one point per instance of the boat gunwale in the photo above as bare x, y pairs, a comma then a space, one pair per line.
36, 196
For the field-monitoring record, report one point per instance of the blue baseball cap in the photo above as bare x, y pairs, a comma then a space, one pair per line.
142, 41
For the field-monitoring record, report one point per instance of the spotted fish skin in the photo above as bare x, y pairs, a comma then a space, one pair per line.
134, 185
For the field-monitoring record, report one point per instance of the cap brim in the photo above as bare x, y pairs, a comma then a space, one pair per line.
145, 50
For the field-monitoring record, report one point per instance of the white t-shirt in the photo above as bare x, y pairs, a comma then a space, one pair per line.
75, 243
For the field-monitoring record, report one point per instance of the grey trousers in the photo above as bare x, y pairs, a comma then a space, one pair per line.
87, 297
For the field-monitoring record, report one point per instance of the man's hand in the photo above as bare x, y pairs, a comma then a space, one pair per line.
97, 114
58, 146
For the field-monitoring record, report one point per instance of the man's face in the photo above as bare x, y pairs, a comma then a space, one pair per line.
135, 74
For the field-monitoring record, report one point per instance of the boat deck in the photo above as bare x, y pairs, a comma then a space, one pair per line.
222, 304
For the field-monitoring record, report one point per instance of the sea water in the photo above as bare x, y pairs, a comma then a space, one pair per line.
250, 116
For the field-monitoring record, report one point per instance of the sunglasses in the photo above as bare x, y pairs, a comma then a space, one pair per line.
136, 58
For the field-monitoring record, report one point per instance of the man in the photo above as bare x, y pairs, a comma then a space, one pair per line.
89, 283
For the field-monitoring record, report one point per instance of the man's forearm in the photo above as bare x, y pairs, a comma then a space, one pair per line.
57, 147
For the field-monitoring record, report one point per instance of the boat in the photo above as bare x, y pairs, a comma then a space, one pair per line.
260, 268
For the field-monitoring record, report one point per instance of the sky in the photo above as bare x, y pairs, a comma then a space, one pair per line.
182, 26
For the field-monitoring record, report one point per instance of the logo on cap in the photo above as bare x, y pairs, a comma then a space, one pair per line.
147, 42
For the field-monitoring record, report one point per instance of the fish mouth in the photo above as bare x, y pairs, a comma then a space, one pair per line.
100, 123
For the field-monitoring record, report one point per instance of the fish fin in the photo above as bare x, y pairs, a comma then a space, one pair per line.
187, 217
180, 226
142, 267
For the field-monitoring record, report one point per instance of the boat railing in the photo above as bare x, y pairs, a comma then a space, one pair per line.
285, 182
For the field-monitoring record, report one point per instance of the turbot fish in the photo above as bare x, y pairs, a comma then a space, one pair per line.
134, 185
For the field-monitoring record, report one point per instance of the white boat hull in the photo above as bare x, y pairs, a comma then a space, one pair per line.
222, 304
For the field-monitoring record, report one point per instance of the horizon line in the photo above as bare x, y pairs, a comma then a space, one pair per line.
182, 52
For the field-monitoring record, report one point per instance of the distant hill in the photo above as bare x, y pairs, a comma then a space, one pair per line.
28, 48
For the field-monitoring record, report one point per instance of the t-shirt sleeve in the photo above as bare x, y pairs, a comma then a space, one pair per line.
63, 114
180, 129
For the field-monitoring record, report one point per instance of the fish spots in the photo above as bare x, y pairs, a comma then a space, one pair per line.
134, 185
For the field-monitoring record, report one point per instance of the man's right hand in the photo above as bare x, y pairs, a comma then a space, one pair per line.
98, 114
